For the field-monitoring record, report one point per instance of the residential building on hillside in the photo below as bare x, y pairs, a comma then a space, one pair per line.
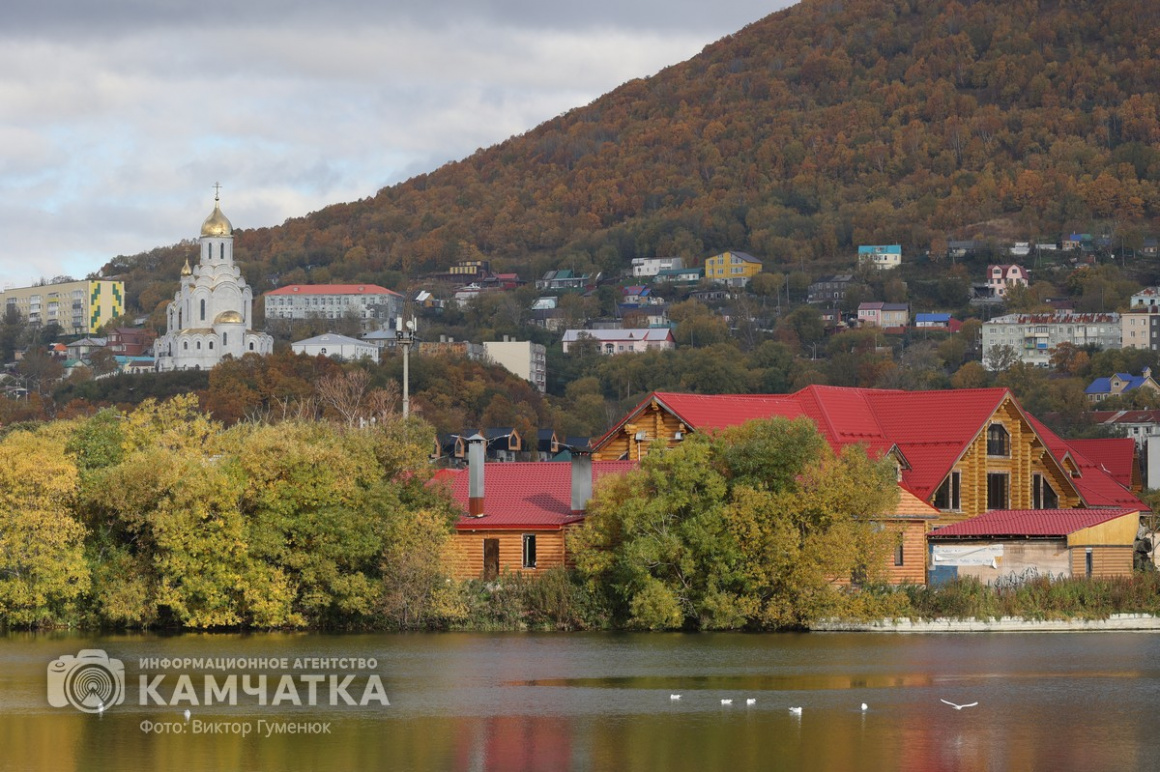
687, 275
521, 357
1147, 298
376, 306
131, 341
210, 316
78, 307
1140, 328
447, 346
622, 341
881, 256
733, 269
646, 267
830, 290
336, 346
1001, 277
564, 279
1031, 337
936, 321
882, 314
1120, 383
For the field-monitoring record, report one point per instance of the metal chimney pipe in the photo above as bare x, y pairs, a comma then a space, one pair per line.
475, 460
581, 480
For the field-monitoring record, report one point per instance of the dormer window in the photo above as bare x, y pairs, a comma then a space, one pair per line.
947, 497
998, 441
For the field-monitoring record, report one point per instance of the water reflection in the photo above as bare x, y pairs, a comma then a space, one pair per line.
580, 702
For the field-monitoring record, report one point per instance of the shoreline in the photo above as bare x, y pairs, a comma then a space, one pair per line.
1114, 623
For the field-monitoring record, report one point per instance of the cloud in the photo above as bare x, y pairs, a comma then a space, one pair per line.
120, 116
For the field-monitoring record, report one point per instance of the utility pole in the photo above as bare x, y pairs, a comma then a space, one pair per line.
405, 337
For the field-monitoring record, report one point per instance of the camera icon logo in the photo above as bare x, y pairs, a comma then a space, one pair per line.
91, 681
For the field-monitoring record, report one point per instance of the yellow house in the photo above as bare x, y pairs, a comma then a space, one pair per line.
732, 268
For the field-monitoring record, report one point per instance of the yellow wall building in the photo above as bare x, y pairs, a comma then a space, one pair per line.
732, 268
79, 307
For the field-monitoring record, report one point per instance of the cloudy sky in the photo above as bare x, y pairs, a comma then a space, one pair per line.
117, 118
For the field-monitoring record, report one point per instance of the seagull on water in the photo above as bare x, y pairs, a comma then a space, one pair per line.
726, 702
959, 707
796, 711
674, 697
865, 707
751, 701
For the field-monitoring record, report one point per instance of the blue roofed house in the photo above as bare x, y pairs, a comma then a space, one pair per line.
1120, 383
938, 321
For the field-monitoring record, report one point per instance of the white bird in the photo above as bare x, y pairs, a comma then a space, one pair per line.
959, 707
726, 702
186, 714
751, 701
865, 707
796, 711
674, 697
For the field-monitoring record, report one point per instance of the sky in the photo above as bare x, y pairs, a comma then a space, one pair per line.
117, 118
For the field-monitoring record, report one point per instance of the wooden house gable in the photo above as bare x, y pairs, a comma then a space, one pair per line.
1006, 466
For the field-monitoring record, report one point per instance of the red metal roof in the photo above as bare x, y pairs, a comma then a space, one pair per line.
929, 429
1114, 455
332, 289
1030, 522
524, 494
1095, 486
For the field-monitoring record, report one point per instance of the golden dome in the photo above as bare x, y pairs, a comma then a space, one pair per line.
229, 317
185, 269
216, 224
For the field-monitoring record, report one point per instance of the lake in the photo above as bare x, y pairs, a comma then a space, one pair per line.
599, 701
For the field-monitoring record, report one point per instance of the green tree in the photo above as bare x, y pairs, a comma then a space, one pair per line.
747, 528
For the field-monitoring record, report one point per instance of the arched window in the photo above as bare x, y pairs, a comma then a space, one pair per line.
185, 346
225, 338
251, 345
203, 309
998, 441
199, 345
211, 345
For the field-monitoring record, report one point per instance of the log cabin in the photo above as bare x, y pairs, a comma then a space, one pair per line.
962, 453
517, 514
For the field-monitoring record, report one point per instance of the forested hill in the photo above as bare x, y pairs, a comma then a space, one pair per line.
826, 125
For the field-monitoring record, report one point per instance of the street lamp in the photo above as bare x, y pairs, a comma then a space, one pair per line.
405, 336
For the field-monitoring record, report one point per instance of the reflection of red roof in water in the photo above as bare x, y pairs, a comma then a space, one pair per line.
930, 430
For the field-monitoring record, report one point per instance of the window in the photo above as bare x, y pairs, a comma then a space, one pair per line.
998, 441
203, 309
211, 345
997, 490
1042, 494
529, 550
1087, 561
947, 496
898, 555
251, 345
225, 338
199, 345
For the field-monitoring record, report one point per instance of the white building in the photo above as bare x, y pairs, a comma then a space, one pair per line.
1001, 277
376, 306
651, 266
521, 357
881, 256
1140, 328
336, 347
210, 313
622, 341
1033, 336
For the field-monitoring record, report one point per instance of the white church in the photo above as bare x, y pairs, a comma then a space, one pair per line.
210, 315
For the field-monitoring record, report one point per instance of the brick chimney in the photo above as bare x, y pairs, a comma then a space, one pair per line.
581, 480
476, 445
